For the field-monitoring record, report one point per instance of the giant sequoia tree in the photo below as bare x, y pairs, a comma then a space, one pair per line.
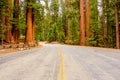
30, 23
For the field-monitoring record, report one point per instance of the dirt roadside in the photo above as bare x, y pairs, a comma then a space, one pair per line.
10, 50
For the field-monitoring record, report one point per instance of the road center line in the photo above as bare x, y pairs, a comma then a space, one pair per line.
61, 71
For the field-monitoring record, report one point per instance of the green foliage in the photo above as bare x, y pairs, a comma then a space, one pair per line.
52, 35
2, 31
72, 13
111, 30
49, 24
22, 18
60, 30
3, 5
96, 38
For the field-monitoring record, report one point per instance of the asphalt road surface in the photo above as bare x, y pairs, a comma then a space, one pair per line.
61, 62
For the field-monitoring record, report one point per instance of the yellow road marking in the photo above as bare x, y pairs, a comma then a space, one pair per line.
61, 71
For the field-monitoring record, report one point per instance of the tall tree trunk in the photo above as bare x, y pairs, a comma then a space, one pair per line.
104, 24
66, 24
33, 22
8, 34
117, 25
15, 29
30, 26
82, 23
67, 31
87, 21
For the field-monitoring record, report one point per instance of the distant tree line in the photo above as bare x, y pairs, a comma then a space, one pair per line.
79, 22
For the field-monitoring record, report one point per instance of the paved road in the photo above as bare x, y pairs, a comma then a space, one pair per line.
60, 62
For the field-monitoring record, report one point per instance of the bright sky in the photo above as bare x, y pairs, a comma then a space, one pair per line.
42, 2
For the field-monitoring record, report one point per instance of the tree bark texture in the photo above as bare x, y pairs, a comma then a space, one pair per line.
33, 23
30, 24
87, 21
82, 23
117, 25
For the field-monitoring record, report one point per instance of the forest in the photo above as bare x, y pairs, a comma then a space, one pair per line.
76, 22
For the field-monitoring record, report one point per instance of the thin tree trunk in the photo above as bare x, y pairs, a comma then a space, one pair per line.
15, 29
104, 24
66, 25
87, 21
82, 23
8, 34
66, 31
117, 25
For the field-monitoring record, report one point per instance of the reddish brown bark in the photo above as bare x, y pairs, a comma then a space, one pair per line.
29, 37
33, 24
30, 25
8, 34
82, 23
87, 21
117, 25
15, 29
104, 24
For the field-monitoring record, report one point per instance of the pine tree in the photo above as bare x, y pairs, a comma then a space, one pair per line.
15, 29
